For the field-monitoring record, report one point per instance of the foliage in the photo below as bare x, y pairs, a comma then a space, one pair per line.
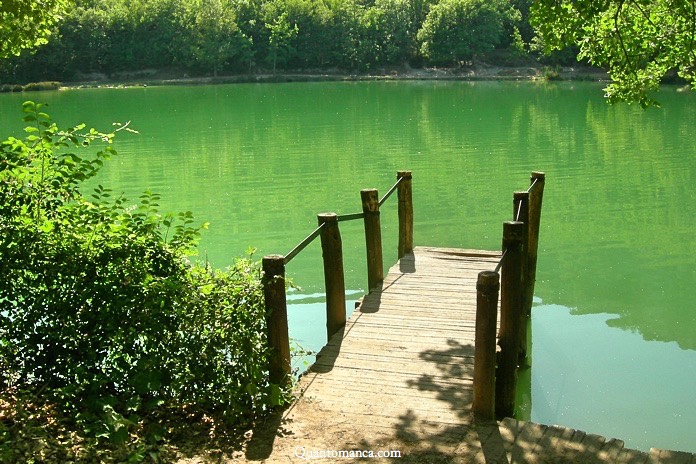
459, 30
212, 39
100, 308
33, 86
394, 25
222, 36
639, 41
316, 41
281, 35
26, 24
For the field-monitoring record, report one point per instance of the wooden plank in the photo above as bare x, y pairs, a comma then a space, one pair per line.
454, 357
448, 392
407, 306
381, 368
592, 444
548, 438
631, 456
525, 441
388, 405
392, 380
395, 327
435, 318
393, 363
611, 450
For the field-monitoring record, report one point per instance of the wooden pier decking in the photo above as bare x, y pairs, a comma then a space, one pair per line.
399, 377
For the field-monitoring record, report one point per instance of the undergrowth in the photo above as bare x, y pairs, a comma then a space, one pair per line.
108, 332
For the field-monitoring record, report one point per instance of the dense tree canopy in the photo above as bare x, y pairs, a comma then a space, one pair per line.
211, 36
639, 41
456, 30
27, 23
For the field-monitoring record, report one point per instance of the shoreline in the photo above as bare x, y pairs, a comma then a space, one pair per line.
474, 73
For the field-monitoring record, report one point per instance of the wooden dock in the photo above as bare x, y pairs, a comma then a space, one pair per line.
398, 377
408, 348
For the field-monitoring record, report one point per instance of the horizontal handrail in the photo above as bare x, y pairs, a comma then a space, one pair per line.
535, 182
332, 256
518, 214
303, 244
500, 262
350, 217
391, 190
341, 218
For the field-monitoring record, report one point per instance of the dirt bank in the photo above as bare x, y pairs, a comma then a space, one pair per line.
480, 72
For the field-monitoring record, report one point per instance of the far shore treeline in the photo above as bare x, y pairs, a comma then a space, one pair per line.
112, 38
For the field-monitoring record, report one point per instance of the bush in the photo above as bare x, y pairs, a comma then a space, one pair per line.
49, 85
6, 88
101, 310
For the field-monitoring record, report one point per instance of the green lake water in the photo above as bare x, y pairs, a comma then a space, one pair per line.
614, 325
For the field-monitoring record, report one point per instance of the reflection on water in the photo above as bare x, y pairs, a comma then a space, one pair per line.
620, 386
260, 161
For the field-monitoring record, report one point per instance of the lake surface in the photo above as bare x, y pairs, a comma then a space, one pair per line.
614, 326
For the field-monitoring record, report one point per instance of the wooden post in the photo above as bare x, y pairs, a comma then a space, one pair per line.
405, 194
373, 238
487, 288
536, 196
520, 213
276, 318
510, 306
332, 252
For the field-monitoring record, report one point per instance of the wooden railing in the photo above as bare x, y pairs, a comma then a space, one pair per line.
495, 373
332, 252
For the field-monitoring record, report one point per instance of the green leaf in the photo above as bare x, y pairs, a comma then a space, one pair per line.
120, 435
276, 395
47, 226
133, 403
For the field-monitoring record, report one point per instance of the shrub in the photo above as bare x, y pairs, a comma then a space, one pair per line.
49, 85
101, 309
5, 88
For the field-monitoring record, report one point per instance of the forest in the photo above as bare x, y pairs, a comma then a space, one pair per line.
211, 37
